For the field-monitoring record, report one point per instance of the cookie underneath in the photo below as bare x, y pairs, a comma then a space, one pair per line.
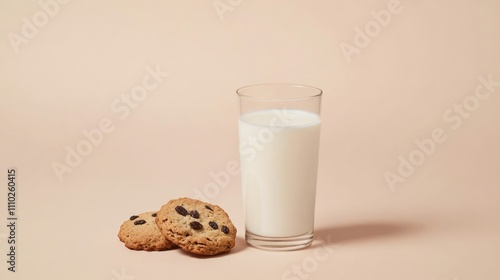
196, 226
140, 232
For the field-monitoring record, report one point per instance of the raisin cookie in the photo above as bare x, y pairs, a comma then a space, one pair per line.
197, 227
140, 232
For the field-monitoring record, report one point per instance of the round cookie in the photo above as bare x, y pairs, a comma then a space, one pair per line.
197, 227
140, 232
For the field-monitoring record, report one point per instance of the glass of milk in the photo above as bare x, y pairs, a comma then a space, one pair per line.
279, 130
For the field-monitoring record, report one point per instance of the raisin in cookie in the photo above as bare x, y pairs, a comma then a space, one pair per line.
141, 233
197, 227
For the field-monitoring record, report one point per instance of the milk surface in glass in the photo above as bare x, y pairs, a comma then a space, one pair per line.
279, 162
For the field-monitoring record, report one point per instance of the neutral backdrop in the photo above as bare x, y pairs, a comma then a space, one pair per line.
411, 93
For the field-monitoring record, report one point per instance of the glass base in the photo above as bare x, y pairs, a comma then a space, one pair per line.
279, 243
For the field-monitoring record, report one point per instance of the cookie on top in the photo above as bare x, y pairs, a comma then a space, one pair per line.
196, 226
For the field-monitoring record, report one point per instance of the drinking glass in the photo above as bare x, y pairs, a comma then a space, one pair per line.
279, 131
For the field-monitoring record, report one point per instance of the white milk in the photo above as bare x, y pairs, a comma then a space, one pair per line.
279, 162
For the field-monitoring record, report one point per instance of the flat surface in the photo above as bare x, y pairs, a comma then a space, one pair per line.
411, 93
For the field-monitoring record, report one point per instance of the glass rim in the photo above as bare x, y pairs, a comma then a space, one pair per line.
318, 92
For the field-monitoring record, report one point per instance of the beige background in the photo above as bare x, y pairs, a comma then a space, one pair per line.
441, 223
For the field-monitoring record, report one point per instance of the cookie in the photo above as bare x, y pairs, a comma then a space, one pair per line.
140, 232
197, 227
